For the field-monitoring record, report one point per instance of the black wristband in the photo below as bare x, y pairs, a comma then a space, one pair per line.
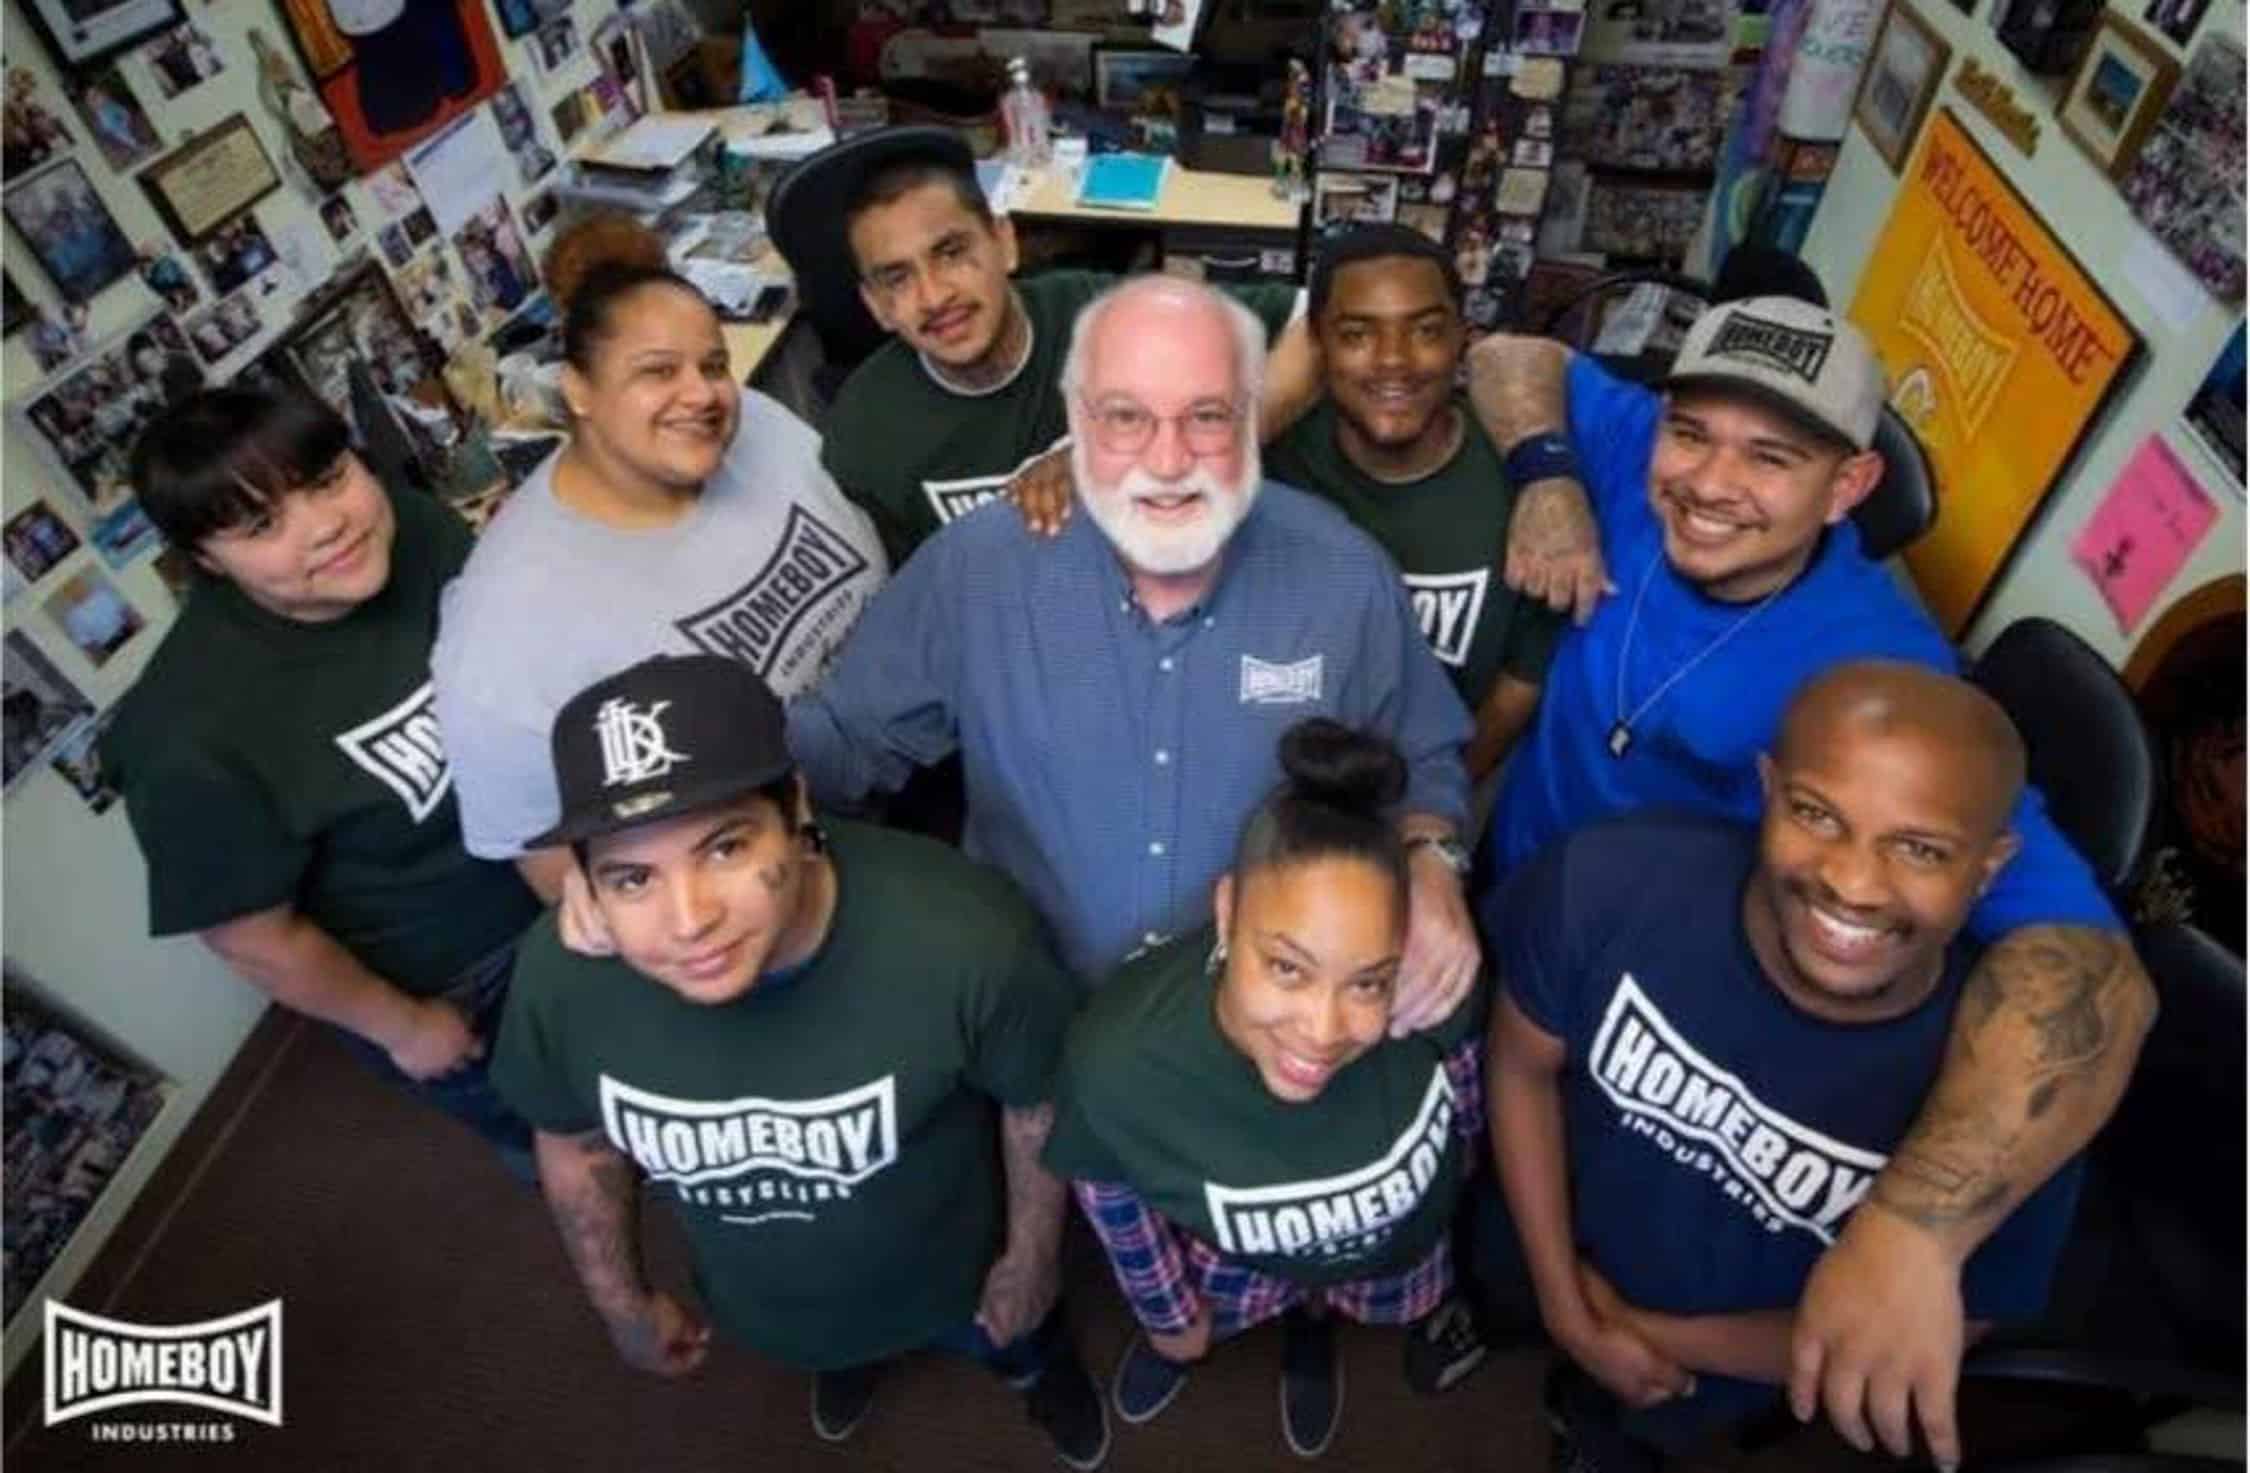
1537, 457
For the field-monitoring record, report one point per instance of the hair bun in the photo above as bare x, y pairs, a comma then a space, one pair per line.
1329, 762
607, 238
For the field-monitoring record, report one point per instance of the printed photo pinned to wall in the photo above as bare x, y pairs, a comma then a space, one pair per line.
539, 212
501, 273
183, 59
85, 421
163, 274
36, 540
393, 190
62, 218
1549, 32
2176, 18
555, 43
93, 615
237, 253
522, 17
43, 706
125, 534
56, 337
419, 227
2144, 531
32, 131
114, 118
2216, 411
2186, 186
1666, 119
568, 115
223, 327
78, 762
1391, 126
397, 250
1344, 200
336, 213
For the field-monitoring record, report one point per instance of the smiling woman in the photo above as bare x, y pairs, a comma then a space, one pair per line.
686, 515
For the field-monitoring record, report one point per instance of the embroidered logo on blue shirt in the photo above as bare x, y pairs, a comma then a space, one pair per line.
1266, 683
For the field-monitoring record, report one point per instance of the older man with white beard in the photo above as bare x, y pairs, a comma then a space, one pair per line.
1117, 693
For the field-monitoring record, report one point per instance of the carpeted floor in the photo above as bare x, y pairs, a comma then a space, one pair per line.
432, 1325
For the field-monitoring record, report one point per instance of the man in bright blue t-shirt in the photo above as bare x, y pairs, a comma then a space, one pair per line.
1726, 1091
1724, 505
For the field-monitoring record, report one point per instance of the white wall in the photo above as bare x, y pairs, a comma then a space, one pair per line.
2087, 212
75, 901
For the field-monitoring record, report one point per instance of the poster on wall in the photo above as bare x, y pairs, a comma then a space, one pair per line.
413, 70
2143, 532
2000, 352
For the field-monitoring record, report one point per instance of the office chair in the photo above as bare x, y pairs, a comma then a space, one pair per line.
805, 220
2090, 752
1904, 503
2147, 1314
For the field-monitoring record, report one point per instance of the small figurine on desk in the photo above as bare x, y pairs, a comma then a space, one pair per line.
1296, 134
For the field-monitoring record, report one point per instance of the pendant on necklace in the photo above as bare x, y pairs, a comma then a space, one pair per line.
1620, 738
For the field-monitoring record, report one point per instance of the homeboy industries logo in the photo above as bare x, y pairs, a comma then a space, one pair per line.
754, 622
1344, 1216
1790, 349
779, 1156
1448, 606
96, 1364
401, 749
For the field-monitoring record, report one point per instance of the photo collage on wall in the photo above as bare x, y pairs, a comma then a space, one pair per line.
1395, 113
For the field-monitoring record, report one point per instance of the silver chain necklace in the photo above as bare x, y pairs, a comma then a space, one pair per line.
1621, 730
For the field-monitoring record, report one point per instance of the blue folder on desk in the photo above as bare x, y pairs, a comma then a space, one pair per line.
1123, 181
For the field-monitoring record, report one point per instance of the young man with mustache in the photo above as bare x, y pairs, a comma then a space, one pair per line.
1117, 695
1684, 1116
966, 397
1724, 504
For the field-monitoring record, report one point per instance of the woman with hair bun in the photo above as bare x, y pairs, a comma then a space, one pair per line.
1244, 1134
686, 515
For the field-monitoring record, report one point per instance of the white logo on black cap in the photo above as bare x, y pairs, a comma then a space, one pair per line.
1793, 350
634, 747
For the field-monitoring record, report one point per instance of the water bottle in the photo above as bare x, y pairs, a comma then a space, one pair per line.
1024, 114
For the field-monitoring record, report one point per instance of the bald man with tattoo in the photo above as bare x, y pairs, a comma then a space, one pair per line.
1721, 503
1684, 1116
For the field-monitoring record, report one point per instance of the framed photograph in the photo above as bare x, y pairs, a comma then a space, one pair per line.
2120, 87
79, 33
94, 615
31, 131
37, 539
199, 186
113, 115
69, 229
86, 420
1344, 200
2216, 411
2186, 183
236, 253
183, 59
1904, 68
1139, 78
43, 707
223, 327
364, 321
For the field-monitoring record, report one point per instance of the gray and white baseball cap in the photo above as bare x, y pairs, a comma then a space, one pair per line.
1800, 360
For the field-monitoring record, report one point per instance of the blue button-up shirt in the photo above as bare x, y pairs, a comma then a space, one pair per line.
1111, 761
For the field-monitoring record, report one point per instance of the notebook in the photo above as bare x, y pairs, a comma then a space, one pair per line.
1123, 181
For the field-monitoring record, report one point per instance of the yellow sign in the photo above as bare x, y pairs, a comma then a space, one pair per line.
1999, 352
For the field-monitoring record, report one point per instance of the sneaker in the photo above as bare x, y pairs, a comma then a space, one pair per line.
1588, 1436
1443, 1348
840, 1400
1312, 1383
1145, 1382
1063, 1401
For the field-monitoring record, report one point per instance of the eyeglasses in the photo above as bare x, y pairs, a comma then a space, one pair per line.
1123, 427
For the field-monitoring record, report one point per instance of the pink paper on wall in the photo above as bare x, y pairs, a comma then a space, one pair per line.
2142, 533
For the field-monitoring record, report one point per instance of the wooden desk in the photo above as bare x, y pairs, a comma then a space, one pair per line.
750, 343
1191, 198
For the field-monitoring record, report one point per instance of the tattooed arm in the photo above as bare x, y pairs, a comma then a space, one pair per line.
1023, 1281
2045, 1036
595, 1195
1517, 389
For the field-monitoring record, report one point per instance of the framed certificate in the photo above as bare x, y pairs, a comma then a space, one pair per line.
210, 179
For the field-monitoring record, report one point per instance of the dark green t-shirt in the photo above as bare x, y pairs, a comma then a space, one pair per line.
916, 454
829, 1140
1356, 1183
1448, 533
265, 761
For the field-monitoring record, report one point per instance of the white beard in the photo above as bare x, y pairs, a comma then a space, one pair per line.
1164, 550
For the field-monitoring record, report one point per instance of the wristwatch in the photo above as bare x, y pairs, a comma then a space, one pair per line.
1445, 847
